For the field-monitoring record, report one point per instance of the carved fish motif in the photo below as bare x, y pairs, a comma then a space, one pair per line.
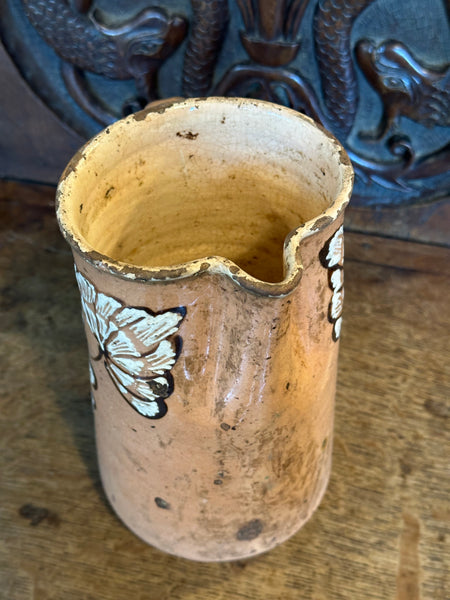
333, 22
127, 51
210, 20
406, 87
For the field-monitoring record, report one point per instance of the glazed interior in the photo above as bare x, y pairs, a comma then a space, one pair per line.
203, 178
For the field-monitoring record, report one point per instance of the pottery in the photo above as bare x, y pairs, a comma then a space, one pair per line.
208, 247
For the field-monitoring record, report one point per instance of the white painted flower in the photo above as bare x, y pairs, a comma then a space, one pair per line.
139, 347
332, 258
336, 305
337, 328
335, 249
336, 279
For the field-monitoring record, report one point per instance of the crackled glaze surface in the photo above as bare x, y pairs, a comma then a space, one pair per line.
253, 195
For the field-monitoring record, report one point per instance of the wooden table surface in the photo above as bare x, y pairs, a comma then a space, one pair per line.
382, 530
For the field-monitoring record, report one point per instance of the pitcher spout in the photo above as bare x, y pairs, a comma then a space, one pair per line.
191, 200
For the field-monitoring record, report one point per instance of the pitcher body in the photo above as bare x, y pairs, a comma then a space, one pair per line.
208, 246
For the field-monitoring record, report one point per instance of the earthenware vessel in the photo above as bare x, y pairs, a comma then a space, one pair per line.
208, 247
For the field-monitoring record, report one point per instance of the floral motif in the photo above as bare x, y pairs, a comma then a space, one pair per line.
138, 347
332, 258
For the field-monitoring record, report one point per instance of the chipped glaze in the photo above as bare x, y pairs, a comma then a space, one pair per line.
213, 378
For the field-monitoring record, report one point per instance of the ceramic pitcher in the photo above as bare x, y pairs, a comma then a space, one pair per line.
208, 246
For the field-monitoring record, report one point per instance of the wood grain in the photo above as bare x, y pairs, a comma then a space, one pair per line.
427, 223
382, 530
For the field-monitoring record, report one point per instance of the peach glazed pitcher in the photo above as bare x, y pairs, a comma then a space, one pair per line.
208, 246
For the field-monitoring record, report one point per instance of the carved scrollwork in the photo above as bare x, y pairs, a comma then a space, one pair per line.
375, 93
272, 40
406, 88
271, 30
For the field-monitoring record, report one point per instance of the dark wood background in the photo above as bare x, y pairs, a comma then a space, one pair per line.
374, 72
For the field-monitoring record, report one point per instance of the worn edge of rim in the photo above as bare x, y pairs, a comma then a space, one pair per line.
214, 264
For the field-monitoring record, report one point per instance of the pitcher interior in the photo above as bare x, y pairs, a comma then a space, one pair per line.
202, 179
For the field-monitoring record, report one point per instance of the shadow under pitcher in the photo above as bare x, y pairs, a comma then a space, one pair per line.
208, 246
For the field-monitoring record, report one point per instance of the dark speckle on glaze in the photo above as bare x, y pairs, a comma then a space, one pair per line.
187, 135
250, 530
162, 503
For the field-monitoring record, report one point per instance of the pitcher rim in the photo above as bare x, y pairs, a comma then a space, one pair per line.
215, 264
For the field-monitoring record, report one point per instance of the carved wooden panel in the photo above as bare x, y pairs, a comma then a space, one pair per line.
374, 72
